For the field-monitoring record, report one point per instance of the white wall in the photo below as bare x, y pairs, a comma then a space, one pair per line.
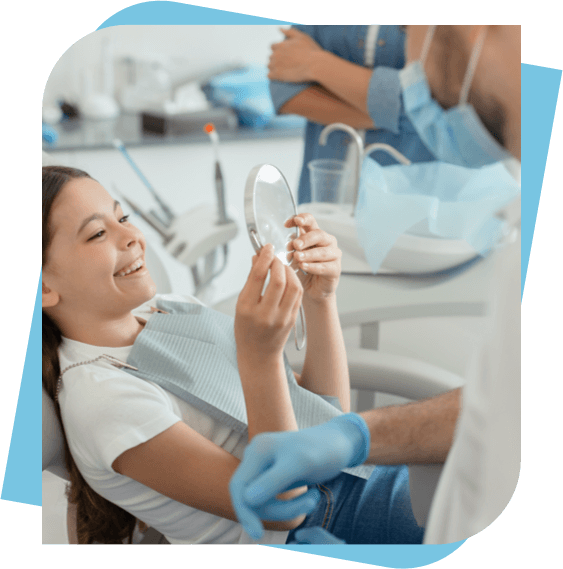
196, 48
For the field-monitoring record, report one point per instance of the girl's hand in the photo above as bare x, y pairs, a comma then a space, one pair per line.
263, 323
317, 253
290, 59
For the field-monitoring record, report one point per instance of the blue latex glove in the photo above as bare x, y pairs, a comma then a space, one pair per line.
276, 462
316, 536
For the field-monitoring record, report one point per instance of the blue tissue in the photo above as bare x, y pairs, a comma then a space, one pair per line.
246, 91
432, 199
50, 135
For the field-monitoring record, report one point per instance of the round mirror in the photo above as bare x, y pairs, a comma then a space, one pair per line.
268, 204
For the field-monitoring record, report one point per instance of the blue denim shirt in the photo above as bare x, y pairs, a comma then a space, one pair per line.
384, 98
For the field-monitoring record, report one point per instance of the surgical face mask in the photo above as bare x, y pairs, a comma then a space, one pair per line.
457, 135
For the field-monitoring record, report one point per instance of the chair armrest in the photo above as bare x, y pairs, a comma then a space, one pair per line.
398, 375
407, 377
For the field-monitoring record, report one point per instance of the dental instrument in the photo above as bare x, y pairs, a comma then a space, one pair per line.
209, 128
169, 215
211, 233
268, 204
149, 218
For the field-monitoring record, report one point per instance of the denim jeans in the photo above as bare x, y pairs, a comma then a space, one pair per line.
376, 511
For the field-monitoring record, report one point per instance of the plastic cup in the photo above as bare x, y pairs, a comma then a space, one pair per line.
329, 179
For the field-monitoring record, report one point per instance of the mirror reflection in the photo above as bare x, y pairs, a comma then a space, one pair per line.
273, 206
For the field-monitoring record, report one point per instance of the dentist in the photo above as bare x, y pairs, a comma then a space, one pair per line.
461, 92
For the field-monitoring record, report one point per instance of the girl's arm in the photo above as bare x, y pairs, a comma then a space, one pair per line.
325, 370
185, 466
262, 325
266, 395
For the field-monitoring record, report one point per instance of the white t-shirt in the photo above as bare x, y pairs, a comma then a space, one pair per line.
106, 411
483, 465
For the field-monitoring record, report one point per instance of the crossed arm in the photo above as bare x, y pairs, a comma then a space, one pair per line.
339, 90
318, 105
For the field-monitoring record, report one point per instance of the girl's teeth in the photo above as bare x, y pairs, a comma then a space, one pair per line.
136, 266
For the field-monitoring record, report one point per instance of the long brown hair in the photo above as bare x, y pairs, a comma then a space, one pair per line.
98, 520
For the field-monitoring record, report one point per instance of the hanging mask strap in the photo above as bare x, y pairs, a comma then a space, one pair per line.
471, 66
426, 44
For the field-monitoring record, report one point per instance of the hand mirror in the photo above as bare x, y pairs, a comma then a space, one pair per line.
268, 204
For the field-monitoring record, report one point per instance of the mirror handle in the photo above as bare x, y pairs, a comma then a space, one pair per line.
255, 240
299, 346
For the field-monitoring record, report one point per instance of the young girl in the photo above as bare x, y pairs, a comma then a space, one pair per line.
135, 451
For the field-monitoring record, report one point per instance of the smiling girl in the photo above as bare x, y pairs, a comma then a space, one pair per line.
135, 450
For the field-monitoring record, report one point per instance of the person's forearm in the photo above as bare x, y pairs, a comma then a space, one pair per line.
266, 395
419, 432
325, 370
269, 409
317, 105
348, 81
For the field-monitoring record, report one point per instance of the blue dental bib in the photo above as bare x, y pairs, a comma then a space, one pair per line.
190, 351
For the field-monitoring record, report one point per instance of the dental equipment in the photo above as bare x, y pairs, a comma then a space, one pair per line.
360, 150
194, 235
201, 231
268, 204
149, 218
169, 215
386, 148
209, 128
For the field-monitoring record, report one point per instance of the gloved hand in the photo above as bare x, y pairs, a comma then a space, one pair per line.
276, 462
316, 536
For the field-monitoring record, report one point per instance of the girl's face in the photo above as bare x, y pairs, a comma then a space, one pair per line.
96, 260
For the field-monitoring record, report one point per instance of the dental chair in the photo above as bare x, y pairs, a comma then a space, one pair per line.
370, 370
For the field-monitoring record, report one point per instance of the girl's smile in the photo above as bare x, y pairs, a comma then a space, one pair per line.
95, 270
136, 267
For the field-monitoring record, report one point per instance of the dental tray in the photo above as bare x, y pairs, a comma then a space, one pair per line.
411, 254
